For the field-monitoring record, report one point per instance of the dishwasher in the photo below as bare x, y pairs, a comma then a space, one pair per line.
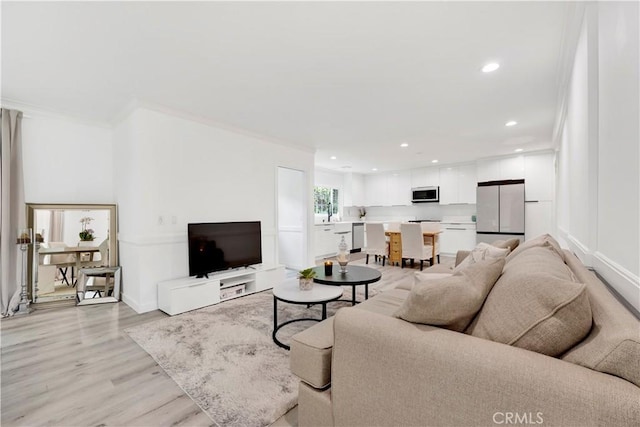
357, 237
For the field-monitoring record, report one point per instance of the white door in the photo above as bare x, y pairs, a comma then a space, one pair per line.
292, 213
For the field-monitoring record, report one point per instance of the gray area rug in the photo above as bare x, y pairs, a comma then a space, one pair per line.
224, 358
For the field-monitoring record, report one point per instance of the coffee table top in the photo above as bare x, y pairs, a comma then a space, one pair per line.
289, 291
355, 275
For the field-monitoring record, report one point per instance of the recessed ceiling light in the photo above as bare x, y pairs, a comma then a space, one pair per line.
333, 157
490, 67
374, 169
434, 161
518, 150
511, 123
404, 145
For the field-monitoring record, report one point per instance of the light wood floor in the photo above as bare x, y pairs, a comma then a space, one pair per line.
75, 366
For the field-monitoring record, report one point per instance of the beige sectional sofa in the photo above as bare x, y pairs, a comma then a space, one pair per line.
366, 367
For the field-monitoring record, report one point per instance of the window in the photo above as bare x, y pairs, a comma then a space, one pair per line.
325, 198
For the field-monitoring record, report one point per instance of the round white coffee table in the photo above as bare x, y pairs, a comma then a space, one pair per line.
289, 291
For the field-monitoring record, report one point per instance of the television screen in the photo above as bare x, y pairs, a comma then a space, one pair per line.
217, 246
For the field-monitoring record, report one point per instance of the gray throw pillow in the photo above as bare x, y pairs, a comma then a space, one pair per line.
451, 302
534, 310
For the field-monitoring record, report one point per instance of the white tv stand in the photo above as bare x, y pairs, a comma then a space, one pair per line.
189, 293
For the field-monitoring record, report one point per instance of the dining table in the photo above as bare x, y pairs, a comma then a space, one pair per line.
75, 250
395, 245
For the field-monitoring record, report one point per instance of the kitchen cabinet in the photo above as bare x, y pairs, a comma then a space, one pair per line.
328, 236
425, 177
457, 237
399, 189
375, 190
538, 218
539, 176
500, 169
390, 189
353, 189
458, 185
325, 242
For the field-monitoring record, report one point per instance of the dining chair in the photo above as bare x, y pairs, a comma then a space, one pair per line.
376, 242
62, 261
413, 246
433, 227
103, 259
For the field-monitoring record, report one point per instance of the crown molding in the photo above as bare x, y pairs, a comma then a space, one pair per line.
566, 56
137, 103
30, 111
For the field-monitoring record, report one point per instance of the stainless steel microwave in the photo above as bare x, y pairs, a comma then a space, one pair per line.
425, 194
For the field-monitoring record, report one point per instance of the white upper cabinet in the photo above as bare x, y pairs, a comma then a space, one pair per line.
512, 167
458, 184
353, 189
376, 190
399, 188
467, 183
390, 189
501, 169
539, 177
448, 185
425, 177
488, 170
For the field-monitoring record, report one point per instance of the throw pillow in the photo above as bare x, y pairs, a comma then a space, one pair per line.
451, 302
480, 252
542, 240
511, 244
536, 311
421, 277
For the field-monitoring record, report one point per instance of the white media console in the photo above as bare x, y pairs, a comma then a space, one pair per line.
189, 293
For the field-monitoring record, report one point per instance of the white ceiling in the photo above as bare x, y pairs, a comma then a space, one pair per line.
354, 80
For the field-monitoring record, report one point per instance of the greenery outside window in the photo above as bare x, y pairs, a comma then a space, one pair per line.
325, 199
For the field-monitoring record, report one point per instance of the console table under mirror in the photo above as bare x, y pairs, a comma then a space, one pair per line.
69, 238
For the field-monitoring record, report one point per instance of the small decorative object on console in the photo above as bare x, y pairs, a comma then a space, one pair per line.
306, 279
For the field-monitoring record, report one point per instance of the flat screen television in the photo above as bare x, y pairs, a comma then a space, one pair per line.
217, 246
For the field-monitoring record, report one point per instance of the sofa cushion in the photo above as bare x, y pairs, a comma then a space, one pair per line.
542, 258
613, 345
451, 302
510, 244
422, 276
535, 305
480, 252
542, 240
310, 356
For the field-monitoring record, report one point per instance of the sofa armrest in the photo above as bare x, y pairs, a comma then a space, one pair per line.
460, 256
386, 371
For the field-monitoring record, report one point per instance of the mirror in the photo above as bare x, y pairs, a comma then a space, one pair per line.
67, 239
97, 285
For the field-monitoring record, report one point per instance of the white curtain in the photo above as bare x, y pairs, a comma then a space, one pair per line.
56, 226
12, 209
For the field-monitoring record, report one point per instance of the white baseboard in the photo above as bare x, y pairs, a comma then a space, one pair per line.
619, 278
139, 308
622, 280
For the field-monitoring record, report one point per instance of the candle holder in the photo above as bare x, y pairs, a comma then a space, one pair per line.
343, 255
328, 268
38, 239
24, 239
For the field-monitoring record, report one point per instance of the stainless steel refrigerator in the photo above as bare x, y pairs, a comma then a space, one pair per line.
500, 210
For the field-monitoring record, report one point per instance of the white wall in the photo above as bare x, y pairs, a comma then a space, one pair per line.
66, 161
175, 171
598, 178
